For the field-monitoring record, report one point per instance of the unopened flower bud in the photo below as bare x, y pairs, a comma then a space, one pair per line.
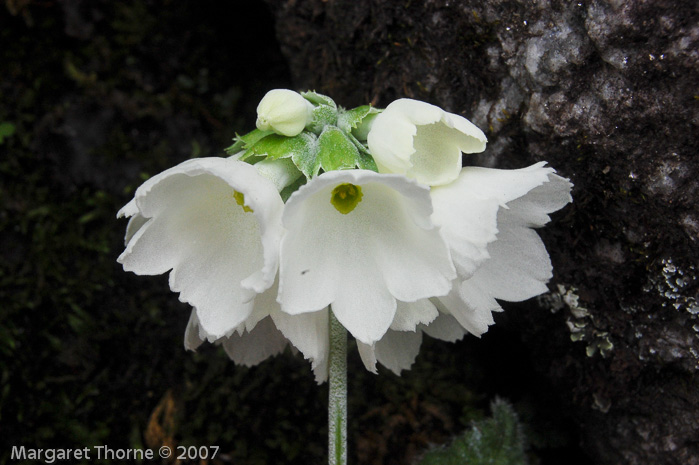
283, 111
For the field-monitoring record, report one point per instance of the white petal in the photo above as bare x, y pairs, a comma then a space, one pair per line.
444, 327
519, 265
361, 262
128, 210
501, 185
263, 305
253, 347
192, 338
467, 221
472, 139
471, 307
414, 261
220, 255
411, 314
422, 141
390, 138
417, 112
320, 370
368, 355
309, 333
397, 350
135, 223
533, 208
436, 159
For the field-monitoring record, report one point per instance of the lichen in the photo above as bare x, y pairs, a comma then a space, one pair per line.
675, 286
580, 321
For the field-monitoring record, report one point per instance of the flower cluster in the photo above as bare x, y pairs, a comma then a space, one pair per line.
364, 213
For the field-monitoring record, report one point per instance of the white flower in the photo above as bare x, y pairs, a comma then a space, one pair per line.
487, 218
267, 332
517, 265
422, 141
283, 111
216, 223
361, 241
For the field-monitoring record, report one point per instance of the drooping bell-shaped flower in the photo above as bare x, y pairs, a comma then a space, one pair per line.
422, 141
361, 241
283, 111
215, 224
517, 265
487, 217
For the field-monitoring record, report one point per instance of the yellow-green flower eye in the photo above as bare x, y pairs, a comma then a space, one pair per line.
240, 200
346, 197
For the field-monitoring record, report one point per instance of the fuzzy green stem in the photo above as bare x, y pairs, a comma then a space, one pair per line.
337, 399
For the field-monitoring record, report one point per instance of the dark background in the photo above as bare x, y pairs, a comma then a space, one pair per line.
96, 96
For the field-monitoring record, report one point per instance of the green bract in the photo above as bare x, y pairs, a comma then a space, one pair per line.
357, 121
322, 116
333, 140
336, 152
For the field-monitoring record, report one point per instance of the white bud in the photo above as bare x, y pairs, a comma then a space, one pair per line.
283, 111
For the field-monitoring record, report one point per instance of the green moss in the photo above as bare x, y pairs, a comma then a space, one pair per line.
87, 351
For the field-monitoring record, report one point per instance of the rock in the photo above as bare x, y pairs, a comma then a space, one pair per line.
605, 91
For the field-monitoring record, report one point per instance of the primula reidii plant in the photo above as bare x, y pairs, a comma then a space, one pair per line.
324, 219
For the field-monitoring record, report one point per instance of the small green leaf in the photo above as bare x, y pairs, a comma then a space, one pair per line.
498, 440
307, 160
318, 99
365, 161
246, 141
275, 146
350, 119
336, 151
322, 116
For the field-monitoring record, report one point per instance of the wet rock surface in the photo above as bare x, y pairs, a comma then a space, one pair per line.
606, 92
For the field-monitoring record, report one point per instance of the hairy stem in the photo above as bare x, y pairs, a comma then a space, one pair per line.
337, 400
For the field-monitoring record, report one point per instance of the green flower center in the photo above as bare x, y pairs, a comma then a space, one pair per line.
346, 197
240, 200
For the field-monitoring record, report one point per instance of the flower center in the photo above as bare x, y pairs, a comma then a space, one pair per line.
240, 200
346, 197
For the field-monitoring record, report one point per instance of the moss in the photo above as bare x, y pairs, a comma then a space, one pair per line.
96, 95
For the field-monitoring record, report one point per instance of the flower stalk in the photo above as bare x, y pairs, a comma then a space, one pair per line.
337, 397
